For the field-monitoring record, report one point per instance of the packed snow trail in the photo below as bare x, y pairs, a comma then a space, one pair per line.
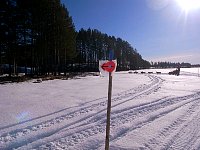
15, 139
137, 117
145, 117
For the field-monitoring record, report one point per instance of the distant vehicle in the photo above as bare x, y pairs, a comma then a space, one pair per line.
174, 72
130, 71
158, 72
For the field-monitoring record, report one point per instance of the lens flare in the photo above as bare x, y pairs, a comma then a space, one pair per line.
187, 5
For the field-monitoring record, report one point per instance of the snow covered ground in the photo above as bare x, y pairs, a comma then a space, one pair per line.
149, 111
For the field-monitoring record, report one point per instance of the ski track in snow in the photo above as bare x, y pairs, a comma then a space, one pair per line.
86, 112
69, 131
167, 137
187, 138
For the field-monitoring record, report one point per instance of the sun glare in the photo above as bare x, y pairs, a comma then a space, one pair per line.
189, 4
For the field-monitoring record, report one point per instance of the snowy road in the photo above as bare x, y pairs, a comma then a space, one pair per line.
158, 112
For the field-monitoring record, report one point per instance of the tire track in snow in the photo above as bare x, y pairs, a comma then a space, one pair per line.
122, 97
187, 137
164, 138
81, 133
174, 103
145, 118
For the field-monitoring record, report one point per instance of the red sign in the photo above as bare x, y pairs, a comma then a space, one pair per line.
109, 66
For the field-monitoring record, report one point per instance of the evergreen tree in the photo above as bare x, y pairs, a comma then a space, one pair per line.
40, 34
44, 33
93, 46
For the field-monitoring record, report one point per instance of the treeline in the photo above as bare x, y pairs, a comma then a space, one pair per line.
170, 65
40, 36
92, 46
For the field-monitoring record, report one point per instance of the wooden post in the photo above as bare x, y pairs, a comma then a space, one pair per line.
108, 112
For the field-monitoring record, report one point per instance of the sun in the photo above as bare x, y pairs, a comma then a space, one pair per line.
187, 5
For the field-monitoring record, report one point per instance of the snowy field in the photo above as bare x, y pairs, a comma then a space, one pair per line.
149, 111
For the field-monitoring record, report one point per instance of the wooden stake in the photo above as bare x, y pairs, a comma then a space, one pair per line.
108, 112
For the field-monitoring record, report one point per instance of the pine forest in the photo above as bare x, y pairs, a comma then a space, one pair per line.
38, 37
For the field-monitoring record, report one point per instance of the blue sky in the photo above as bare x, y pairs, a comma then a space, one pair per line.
159, 29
